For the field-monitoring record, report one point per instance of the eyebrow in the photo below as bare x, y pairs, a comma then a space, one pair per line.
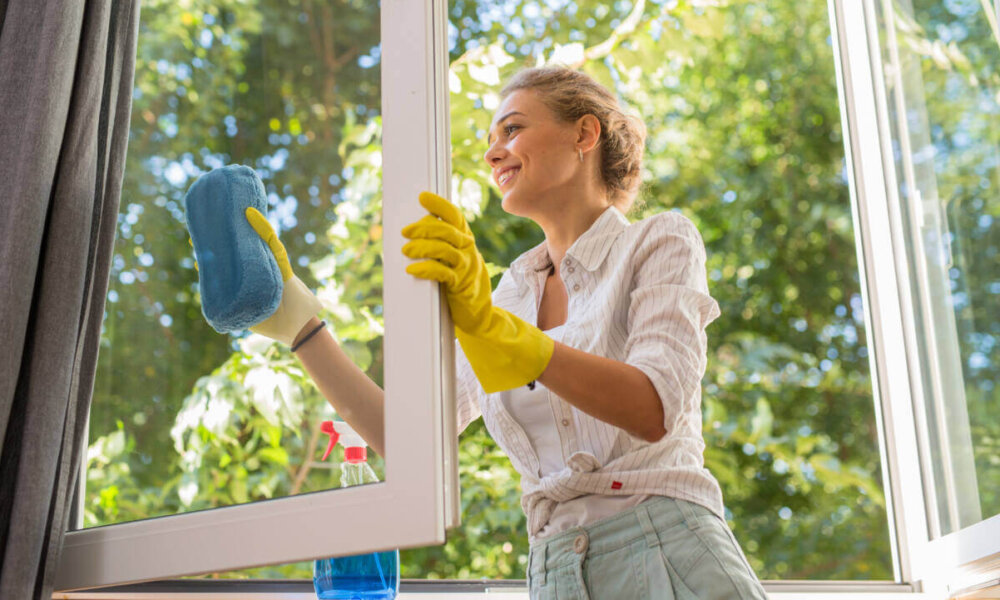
489, 137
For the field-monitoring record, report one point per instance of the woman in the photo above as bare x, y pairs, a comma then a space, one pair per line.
598, 402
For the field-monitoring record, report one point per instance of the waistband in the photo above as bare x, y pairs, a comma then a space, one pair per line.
645, 521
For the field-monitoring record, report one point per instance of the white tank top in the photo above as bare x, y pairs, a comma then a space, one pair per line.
532, 410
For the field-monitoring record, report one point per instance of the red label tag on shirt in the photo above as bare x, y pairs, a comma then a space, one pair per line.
616, 485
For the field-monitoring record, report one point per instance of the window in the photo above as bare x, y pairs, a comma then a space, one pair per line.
942, 85
184, 418
218, 84
850, 234
920, 94
942, 89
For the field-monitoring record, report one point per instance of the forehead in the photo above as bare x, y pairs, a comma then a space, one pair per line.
526, 102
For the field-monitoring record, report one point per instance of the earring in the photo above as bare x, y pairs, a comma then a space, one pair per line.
581, 153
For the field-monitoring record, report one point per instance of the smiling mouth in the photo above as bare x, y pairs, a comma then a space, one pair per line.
507, 176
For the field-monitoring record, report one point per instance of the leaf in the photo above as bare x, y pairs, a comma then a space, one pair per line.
274, 455
762, 422
238, 489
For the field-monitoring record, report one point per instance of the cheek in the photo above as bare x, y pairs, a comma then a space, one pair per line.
554, 162
536, 153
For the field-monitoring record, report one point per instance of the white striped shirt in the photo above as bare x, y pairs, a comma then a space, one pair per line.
637, 294
534, 410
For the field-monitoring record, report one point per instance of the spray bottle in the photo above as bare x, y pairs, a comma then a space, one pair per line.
372, 576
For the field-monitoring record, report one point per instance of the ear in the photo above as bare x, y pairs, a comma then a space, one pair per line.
588, 132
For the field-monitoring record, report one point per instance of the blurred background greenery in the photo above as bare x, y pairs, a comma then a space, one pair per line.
744, 138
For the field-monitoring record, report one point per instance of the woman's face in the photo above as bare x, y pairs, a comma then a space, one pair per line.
531, 153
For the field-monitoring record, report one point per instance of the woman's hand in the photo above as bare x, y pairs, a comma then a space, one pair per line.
444, 237
505, 352
298, 304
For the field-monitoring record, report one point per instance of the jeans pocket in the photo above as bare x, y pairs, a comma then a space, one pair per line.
624, 573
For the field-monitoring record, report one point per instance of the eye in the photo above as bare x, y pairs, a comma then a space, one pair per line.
509, 128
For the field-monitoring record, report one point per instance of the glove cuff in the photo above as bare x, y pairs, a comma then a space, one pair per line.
298, 305
509, 354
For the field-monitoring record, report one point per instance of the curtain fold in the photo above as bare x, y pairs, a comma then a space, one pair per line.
66, 76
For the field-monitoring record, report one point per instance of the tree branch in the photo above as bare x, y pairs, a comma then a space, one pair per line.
300, 475
624, 29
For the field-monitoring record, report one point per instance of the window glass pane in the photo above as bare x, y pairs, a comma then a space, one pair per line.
744, 137
942, 74
185, 418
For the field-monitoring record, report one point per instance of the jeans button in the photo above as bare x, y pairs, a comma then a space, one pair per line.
580, 543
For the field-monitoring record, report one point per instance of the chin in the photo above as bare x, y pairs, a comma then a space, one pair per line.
509, 203
518, 205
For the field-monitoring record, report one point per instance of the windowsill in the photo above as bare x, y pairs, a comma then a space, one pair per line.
416, 589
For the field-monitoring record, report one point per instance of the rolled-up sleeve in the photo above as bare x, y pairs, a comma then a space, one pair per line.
669, 309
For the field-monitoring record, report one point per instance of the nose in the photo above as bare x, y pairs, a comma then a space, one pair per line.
494, 153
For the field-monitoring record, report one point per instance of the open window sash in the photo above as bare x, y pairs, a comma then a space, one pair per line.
911, 387
419, 498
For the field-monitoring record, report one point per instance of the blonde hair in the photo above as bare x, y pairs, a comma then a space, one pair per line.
571, 94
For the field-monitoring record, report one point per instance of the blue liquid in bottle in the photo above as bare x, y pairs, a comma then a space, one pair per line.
372, 576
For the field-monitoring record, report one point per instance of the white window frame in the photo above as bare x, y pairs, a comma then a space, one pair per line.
419, 497
969, 558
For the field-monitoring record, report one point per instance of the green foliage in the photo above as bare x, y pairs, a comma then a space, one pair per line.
491, 542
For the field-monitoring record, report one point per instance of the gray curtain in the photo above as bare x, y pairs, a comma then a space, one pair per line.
66, 73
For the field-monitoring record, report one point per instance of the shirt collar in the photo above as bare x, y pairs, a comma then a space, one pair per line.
590, 249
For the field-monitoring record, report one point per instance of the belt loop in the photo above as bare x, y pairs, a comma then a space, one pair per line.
642, 512
690, 516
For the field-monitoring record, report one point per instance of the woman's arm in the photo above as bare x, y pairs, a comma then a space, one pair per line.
355, 397
606, 389
665, 354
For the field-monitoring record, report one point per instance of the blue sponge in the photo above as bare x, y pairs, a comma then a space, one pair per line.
239, 280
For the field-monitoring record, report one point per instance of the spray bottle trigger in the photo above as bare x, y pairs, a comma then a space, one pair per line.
327, 428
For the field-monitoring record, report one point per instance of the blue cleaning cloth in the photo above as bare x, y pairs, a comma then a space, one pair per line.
238, 277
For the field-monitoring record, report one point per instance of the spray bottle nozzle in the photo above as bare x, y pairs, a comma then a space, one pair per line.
340, 431
328, 428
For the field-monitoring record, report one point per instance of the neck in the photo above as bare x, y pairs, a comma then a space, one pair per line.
578, 209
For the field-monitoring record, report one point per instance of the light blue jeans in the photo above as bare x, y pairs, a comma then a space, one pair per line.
661, 549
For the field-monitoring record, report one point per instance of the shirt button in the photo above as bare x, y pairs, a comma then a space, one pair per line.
580, 543
576, 288
565, 422
570, 269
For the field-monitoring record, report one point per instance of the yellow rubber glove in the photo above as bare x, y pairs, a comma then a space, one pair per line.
298, 304
505, 351
191, 243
